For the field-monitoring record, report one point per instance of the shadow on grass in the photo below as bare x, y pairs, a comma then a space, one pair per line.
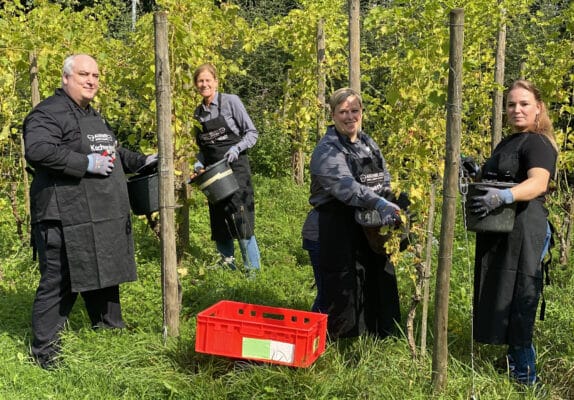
16, 311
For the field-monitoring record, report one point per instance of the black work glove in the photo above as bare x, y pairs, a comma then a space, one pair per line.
470, 168
389, 212
385, 213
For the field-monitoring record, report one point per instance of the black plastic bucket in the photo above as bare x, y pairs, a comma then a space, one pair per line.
217, 182
143, 191
500, 220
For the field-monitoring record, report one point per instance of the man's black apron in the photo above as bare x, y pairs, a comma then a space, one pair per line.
508, 272
233, 217
95, 215
360, 286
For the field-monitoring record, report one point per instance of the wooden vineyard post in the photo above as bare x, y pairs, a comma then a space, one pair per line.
166, 178
450, 192
497, 100
354, 45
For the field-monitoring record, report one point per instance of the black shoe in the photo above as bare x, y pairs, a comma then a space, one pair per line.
504, 365
538, 388
47, 363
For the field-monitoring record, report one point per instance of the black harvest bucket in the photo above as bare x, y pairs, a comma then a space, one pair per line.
500, 220
217, 182
143, 190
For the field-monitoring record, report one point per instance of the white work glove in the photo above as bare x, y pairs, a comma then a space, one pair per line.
151, 160
198, 166
232, 154
99, 164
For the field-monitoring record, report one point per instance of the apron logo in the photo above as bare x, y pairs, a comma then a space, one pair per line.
212, 135
372, 178
100, 137
102, 143
375, 181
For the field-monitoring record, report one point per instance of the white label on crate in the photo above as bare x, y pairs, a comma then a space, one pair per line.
280, 351
268, 350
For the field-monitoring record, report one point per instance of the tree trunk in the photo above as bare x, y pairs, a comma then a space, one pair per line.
166, 180
564, 233
13, 196
297, 140
416, 299
286, 94
35, 97
182, 213
427, 268
497, 101
134, 14
320, 79
354, 45
450, 190
297, 165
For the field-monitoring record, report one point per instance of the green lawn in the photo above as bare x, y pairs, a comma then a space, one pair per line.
139, 363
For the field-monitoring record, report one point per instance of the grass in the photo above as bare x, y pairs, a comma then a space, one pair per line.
139, 363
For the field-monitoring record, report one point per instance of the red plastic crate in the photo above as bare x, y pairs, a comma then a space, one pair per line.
276, 335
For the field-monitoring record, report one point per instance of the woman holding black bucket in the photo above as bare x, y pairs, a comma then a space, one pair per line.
226, 133
508, 266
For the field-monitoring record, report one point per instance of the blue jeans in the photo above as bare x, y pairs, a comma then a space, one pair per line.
522, 360
249, 252
546, 241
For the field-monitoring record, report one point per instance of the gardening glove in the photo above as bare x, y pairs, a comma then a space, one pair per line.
389, 212
490, 201
470, 168
232, 154
99, 164
151, 160
198, 166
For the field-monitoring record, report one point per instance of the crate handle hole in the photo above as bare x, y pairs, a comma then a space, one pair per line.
274, 316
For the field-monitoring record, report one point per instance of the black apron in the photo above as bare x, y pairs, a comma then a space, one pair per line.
360, 286
95, 215
234, 217
508, 272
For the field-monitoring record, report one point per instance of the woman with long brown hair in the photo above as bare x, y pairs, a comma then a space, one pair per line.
508, 266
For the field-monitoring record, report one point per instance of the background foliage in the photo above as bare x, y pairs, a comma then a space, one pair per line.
265, 52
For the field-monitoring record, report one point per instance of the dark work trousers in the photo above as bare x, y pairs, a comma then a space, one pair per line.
358, 287
54, 297
312, 247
